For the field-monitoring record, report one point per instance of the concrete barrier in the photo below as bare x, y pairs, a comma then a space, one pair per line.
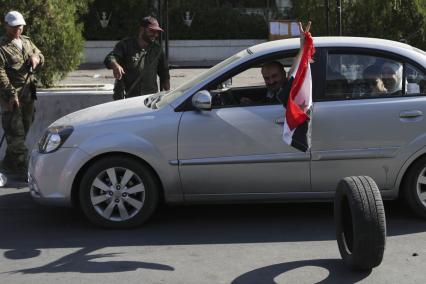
95, 51
55, 103
186, 52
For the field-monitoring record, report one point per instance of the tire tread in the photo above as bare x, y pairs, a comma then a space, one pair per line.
368, 220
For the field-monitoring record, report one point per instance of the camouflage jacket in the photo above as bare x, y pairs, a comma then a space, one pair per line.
127, 53
13, 65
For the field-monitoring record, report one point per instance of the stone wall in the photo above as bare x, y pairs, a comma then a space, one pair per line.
186, 52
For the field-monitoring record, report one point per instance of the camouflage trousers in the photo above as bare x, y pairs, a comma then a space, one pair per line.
16, 125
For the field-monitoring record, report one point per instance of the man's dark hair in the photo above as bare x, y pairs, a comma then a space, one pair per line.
276, 64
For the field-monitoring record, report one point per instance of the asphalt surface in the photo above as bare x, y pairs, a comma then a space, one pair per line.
97, 74
269, 243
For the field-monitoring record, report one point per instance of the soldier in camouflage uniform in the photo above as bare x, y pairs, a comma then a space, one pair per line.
17, 90
137, 61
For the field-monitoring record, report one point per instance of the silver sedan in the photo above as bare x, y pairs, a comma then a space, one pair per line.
199, 143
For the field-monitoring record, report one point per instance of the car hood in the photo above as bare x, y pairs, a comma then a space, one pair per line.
107, 111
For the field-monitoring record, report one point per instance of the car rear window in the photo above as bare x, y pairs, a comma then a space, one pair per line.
359, 76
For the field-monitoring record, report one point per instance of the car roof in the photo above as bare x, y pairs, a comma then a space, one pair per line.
353, 42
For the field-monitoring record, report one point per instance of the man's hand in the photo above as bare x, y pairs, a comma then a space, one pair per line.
165, 86
117, 71
302, 32
34, 61
292, 71
13, 102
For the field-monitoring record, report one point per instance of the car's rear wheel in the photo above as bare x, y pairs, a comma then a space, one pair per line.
360, 222
118, 192
414, 187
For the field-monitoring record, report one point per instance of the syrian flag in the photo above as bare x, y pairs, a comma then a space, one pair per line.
298, 108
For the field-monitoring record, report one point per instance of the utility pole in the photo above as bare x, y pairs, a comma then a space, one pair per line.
163, 18
160, 18
166, 27
327, 15
339, 16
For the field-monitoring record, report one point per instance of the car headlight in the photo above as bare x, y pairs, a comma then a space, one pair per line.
53, 138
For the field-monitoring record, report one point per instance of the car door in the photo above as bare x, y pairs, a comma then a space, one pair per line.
360, 130
238, 151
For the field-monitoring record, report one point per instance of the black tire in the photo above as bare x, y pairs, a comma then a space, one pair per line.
138, 206
412, 188
360, 222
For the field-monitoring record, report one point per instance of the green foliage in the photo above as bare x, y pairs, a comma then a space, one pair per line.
312, 10
389, 19
395, 20
219, 21
53, 26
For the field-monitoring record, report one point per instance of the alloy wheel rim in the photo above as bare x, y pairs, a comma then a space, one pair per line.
117, 194
421, 187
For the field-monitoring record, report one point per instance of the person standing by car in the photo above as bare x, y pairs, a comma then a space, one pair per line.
136, 62
18, 58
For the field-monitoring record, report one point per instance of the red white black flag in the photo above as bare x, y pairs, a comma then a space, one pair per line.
298, 108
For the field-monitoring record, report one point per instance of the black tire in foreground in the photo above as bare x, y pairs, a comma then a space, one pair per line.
414, 188
360, 222
118, 192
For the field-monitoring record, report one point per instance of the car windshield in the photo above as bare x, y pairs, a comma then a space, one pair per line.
166, 98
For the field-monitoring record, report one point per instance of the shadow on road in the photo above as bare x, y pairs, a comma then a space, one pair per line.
28, 227
24, 221
338, 273
80, 261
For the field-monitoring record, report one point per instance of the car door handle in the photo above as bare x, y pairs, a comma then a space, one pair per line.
410, 114
279, 120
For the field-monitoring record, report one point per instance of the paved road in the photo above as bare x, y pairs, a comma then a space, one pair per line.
289, 243
101, 75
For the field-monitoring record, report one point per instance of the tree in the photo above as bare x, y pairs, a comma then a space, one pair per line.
313, 10
389, 19
53, 26
396, 20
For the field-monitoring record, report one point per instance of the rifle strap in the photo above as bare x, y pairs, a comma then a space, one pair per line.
139, 78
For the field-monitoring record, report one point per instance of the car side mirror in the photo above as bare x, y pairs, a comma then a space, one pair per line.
202, 100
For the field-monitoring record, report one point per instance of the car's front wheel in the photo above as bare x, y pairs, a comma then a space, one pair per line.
118, 192
414, 187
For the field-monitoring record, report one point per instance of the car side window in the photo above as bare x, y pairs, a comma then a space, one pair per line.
248, 78
415, 81
247, 87
232, 91
358, 76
